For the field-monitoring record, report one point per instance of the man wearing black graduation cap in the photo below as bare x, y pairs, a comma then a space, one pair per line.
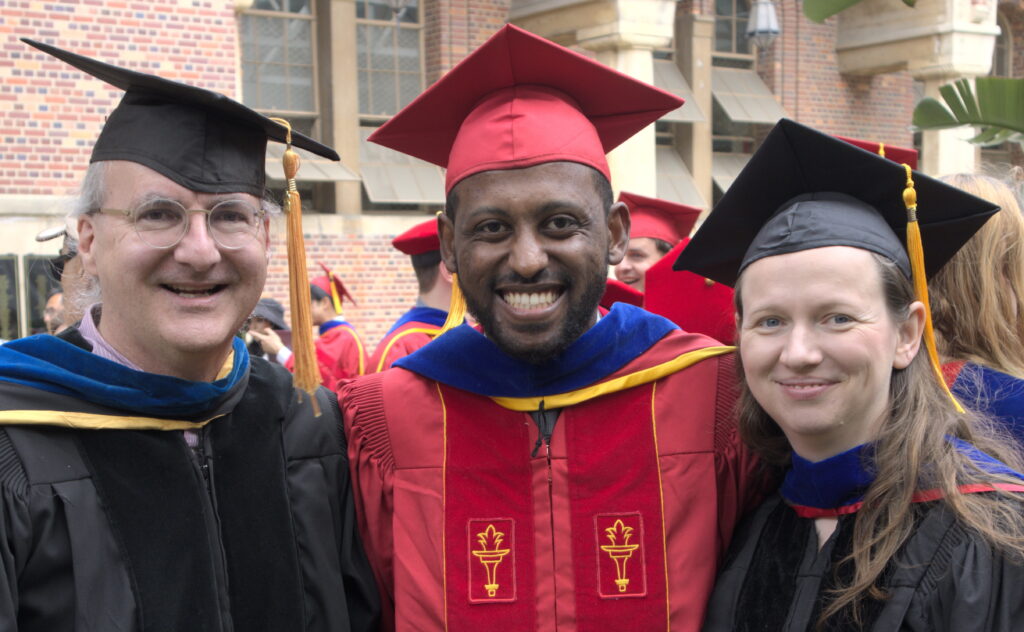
155, 477
556, 471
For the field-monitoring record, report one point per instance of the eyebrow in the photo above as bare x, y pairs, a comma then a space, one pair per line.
216, 198
547, 207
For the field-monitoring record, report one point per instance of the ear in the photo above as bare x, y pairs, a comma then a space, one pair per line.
908, 336
86, 240
446, 234
619, 224
446, 276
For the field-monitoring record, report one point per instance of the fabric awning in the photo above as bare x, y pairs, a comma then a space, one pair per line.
313, 168
393, 177
744, 96
668, 77
725, 168
675, 183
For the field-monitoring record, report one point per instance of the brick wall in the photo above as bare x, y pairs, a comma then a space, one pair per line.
50, 113
801, 69
379, 277
1013, 12
454, 28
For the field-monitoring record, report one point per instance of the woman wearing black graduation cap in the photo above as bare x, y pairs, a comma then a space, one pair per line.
897, 512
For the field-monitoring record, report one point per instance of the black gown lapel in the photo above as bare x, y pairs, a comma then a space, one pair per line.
248, 476
152, 495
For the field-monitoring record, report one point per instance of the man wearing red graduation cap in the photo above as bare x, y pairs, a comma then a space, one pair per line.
657, 226
339, 343
555, 470
424, 321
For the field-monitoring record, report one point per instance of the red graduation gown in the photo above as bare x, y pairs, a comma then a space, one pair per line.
400, 343
466, 530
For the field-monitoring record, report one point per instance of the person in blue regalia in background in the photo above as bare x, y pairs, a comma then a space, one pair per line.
978, 307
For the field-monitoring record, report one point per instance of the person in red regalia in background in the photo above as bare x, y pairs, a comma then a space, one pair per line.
424, 321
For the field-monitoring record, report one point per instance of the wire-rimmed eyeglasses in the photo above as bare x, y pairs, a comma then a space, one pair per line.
162, 223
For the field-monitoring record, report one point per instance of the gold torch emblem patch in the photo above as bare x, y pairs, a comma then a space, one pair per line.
491, 575
621, 564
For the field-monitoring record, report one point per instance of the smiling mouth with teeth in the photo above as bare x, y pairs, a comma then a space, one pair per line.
530, 301
194, 292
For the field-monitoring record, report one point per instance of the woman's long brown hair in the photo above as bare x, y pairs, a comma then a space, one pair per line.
978, 297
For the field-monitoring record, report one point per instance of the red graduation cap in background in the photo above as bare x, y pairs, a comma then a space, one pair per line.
695, 303
896, 154
331, 283
659, 219
616, 291
518, 101
418, 240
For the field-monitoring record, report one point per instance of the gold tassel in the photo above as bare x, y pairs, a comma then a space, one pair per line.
307, 372
457, 307
881, 149
335, 297
915, 250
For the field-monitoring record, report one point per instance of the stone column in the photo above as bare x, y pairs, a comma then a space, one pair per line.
344, 79
622, 34
946, 151
633, 165
695, 38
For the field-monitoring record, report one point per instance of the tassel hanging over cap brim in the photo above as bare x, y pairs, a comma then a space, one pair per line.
915, 250
306, 371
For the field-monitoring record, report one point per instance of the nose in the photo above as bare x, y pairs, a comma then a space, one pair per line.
624, 268
801, 349
528, 257
197, 247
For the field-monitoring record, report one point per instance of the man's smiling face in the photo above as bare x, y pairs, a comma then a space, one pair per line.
532, 248
170, 310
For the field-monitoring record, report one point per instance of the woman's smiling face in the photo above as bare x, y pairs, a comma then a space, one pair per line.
818, 345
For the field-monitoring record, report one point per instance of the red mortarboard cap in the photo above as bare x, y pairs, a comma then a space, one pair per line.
616, 291
695, 303
896, 154
418, 240
325, 283
659, 219
518, 101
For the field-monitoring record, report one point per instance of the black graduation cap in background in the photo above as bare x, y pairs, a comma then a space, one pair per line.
200, 139
803, 189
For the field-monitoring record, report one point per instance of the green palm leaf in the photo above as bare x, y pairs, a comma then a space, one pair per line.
820, 10
997, 111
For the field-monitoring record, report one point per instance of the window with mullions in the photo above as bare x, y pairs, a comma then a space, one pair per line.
731, 27
10, 321
40, 281
278, 60
389, 41
1002, 54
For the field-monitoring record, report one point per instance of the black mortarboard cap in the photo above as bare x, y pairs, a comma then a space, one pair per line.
803, 189
200, 139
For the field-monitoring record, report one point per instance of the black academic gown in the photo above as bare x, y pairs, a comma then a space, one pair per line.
123, 530
944, 578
